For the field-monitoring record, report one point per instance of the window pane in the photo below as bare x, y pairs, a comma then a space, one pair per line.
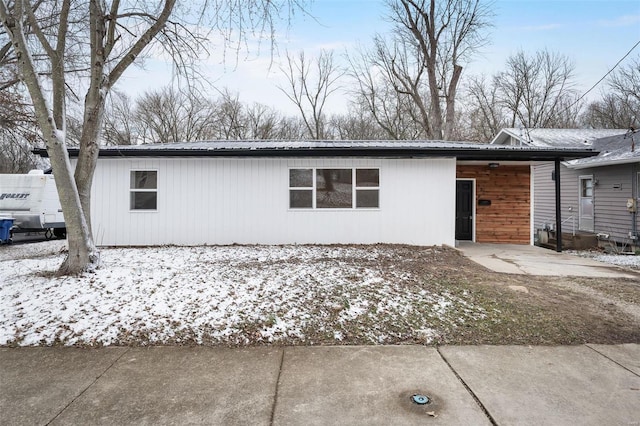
367, 198
300, 178
333, 188
144, 200
300, 199
144, 179
367, 177
587, 187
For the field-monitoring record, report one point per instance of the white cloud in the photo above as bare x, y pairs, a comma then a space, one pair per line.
622, 21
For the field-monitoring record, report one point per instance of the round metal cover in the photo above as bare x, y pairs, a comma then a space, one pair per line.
420, 399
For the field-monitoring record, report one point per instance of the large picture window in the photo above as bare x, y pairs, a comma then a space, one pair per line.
337, 188
143, 190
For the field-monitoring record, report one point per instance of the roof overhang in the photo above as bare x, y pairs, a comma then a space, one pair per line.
371, 149
602, 163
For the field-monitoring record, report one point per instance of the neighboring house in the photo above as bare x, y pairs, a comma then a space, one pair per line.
595, 191
315, 192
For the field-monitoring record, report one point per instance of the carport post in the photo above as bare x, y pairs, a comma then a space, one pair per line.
558, 209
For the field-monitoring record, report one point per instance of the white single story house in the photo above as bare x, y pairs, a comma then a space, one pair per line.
315, 192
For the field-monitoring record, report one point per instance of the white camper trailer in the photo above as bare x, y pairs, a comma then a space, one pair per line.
32, 201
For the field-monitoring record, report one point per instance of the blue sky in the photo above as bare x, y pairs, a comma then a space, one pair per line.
594, 34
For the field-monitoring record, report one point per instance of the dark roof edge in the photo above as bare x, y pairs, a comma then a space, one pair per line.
463, 154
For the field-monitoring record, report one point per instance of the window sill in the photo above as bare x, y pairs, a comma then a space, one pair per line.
362, 209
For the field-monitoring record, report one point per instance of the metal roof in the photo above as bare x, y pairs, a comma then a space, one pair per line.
559, 138
341, 148
621, 149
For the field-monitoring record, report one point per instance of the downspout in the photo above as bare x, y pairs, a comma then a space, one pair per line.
634, 194
558, 209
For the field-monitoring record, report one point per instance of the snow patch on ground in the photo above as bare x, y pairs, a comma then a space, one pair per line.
232, 295
626, 260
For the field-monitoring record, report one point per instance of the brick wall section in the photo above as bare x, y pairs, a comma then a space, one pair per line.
507, 219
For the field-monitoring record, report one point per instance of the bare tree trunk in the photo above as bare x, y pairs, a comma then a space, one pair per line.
93, 110
103, 40
82, 253
450, 118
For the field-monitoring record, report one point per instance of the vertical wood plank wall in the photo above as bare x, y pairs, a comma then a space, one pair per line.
507, 219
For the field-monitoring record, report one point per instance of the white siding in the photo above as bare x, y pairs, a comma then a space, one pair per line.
245, 201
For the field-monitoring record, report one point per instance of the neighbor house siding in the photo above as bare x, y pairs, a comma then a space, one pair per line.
544, 210
507, 219
246, 201
545, 196
610, 212
614, 188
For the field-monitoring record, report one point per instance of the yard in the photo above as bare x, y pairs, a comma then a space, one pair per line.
300, 295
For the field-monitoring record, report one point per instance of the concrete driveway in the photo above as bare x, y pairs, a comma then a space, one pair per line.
532, 260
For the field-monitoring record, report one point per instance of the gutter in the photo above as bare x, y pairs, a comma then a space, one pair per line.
462, 154
602, 163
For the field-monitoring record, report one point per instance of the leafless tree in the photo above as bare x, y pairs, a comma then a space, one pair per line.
424, 58
291, 128
619, 107
118, 34
310, 84
171, 115
394, 112
533, 91
18, 132
357, 124
535, 88
230, 123
120, 125
262, 122
486, 113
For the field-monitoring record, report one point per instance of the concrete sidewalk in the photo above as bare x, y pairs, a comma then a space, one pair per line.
471, 385
532, 260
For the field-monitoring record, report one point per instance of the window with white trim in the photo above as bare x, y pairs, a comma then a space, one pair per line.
337, 188
143, 192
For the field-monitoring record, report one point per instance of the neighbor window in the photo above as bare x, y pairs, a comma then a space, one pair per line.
143, 190
334, 188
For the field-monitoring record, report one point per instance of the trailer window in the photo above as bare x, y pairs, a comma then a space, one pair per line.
144, 190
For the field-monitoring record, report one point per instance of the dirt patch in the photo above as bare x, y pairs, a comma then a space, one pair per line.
545, 310
522, 309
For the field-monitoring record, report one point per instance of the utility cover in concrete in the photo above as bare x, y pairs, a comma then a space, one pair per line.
548, 385
177, 385
371, 385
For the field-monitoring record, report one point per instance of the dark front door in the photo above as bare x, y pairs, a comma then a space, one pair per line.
464, 210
